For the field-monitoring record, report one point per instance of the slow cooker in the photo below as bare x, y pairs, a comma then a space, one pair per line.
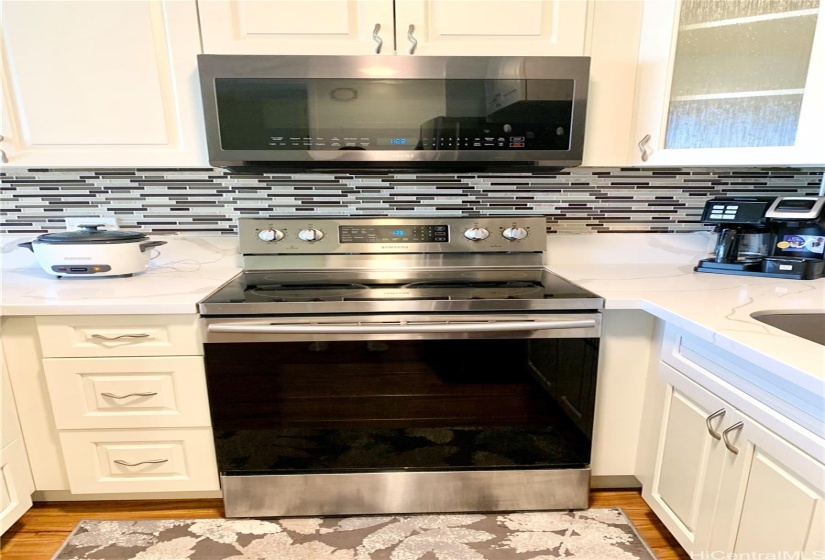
91, 251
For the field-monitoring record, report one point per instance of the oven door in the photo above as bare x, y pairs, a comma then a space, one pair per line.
335, 415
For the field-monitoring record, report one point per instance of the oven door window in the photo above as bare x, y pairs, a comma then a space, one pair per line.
379, 405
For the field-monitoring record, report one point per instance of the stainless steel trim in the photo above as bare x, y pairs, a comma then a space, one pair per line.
310, 308
728, 444
812, 214
405, 492
713, 433
100, 336
113, 396
401, 328
147, 462
375, 37
411, 38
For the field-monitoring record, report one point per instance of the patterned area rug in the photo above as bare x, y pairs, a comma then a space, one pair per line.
594, 534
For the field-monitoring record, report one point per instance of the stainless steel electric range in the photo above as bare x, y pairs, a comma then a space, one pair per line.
399, 365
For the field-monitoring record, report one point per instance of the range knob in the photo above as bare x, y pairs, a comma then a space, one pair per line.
310, 235
514, 233
270, 235
476, 234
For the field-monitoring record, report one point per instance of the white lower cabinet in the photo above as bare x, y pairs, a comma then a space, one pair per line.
128, 396
16, 485
723, 483
107, 461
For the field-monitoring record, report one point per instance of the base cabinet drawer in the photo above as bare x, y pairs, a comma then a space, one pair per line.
162, 392
108, 336
111, 461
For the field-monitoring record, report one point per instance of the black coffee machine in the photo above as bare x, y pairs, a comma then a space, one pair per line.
777, 237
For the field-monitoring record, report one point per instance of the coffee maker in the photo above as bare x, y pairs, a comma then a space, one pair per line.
777, 237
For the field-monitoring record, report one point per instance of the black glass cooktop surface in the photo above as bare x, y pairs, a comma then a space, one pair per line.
263, 292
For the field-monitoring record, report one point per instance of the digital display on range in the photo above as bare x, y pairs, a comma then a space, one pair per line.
435, 233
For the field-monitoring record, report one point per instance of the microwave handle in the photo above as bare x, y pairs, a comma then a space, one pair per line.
401, 328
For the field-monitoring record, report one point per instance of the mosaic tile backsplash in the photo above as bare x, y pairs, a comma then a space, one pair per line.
210, 201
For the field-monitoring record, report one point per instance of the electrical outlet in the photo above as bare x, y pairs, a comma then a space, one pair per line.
108, 222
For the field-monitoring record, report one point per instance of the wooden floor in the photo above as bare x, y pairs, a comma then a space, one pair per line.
39, 533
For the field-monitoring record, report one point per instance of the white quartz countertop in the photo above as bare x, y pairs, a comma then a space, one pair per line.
655, 273
182, 273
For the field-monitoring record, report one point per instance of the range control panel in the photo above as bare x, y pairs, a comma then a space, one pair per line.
296, 236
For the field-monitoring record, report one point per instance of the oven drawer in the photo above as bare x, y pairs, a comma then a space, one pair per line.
108, 461
127, 392
103, 336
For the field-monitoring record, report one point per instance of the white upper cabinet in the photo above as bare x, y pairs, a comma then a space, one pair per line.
344, 27
421, 27
506, 28
724, 83
101, 83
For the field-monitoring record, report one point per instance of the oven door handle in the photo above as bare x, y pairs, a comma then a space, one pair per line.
367, 328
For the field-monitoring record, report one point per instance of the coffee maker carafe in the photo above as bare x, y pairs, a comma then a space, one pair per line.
743, 235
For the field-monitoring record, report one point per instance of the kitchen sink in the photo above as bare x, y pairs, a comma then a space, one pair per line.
808, 325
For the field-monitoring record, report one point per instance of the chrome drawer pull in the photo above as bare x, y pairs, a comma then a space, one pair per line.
728, 444
100, 336
714, 434
150, 462
113, 396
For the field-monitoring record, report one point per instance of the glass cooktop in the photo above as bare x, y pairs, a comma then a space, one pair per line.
258, 292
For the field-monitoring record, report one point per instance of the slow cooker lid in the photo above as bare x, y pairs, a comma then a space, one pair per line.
91, 234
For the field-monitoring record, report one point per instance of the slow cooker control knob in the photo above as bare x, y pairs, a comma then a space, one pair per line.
476, 234
514, 233
310, 235
270, 235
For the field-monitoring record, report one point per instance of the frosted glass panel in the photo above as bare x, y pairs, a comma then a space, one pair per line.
745, 57
702, 11
739, 72
745, 122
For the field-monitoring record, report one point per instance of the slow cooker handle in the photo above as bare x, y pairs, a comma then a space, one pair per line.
26, 245
150, 244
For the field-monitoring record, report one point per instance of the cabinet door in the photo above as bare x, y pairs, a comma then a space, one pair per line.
772, 495
688, 461
731, 83
297, 26
507, 28
16, 485
100, 83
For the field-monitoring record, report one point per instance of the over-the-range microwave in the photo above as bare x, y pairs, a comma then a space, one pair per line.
351, 113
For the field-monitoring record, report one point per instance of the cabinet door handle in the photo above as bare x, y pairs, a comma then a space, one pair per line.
113, 396
3, 157
643, 146
728, 444
149, 462
378, 40
100, 336
713, 433
411, 38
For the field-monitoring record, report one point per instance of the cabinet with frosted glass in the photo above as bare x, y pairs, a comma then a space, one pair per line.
731, 82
